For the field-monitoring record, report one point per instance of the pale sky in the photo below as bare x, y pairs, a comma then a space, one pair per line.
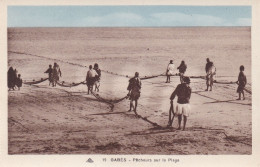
128, 16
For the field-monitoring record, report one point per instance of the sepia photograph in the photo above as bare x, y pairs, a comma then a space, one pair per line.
134, 84
129, 80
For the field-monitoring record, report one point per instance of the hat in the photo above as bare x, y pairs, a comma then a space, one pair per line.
186, 80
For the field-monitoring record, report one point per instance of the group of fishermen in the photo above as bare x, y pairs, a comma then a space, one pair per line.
209, 68
54, 74
93, 78
182, 91
13, 80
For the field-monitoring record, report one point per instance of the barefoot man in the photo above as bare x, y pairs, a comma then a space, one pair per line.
169, 71
183, 91
210, 72
182, 69
134, 88
90, 78
49, 71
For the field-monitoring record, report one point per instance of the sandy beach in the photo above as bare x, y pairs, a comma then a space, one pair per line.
63, 120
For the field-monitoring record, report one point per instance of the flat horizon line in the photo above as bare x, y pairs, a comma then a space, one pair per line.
147, 27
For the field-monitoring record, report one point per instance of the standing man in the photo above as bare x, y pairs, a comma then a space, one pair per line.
210, 72
241, 83
19, 81
169, 71
134, 88
183, 91
90, 78
49, 71
182, 69
97, 78
56, 74
11, 78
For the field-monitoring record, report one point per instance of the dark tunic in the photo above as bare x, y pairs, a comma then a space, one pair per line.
241, 81
19, 82
55, 74
135, 88
49, 71
11, 78
183, 92
182, 68
208, 65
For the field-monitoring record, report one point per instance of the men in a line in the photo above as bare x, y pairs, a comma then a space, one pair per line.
49, 71
210, 72
241, 83
182, 69
169, 71
183, 91
90, 78
97, 77
134, 89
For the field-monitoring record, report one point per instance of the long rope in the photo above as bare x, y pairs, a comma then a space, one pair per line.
63, 84
142, 78
110, 101
35, 82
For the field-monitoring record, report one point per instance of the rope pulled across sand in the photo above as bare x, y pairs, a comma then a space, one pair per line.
65, 120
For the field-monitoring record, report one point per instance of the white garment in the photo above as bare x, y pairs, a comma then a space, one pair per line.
91, 73
183, 109
170, 69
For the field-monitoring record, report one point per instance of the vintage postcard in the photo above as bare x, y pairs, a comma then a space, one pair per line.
129, 84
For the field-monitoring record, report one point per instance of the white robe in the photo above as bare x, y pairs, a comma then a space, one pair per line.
170, 69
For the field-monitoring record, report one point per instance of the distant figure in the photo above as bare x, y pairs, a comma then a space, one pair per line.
11, 77
182, 69
49, 71
19, 81
90, 78
183, 91
134, 88
56, 74
210, 72
242, 81
97, 77
169, 71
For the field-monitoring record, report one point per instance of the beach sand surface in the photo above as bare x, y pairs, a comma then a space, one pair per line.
61, 120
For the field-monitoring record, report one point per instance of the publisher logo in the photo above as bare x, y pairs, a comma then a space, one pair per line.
90, 160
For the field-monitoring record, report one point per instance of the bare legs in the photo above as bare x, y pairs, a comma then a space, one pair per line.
96, 88
168, 79
90, 88
54, 83
181, 77
132, 106
184, 121
209, 86
239, 94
